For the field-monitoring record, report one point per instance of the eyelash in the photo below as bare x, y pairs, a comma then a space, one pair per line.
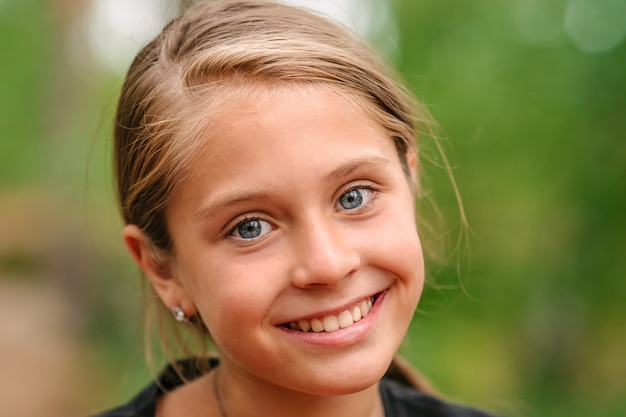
246, 219
365, 205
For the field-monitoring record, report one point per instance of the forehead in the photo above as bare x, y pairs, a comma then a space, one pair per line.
261, 105
254, 96
279, 138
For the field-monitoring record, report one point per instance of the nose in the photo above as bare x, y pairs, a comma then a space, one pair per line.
324, 253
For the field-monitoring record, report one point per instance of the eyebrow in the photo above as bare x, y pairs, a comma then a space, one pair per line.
223, 201
364, 163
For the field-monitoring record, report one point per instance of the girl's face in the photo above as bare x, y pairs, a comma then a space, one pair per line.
297, 216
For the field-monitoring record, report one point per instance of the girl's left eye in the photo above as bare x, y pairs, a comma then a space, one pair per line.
251, 229
355, 198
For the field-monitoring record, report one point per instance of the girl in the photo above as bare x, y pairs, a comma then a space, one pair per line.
266, 170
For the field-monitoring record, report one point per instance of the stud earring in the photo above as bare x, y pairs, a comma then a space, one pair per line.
179, 314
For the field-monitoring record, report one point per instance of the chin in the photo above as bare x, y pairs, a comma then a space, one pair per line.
344, 382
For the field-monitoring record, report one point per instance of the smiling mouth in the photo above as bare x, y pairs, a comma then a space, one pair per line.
334, 322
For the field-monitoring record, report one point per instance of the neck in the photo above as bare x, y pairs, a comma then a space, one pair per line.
242, 396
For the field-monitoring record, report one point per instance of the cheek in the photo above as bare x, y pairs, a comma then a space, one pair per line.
395, 236
231, 295
395, 246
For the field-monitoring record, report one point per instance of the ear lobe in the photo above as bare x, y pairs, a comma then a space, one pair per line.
155, 268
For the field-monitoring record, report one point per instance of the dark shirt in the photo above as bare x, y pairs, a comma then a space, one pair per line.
398, 400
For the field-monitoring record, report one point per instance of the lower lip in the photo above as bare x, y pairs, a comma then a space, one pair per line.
342, 337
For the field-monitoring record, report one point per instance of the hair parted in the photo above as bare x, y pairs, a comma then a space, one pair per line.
212, 51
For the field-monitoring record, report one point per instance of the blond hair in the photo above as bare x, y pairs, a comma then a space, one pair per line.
178, 82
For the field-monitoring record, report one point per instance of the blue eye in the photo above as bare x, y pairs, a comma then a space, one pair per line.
251, 229
355, 198
351, 200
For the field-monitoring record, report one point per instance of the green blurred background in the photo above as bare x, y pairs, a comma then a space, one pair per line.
531, 95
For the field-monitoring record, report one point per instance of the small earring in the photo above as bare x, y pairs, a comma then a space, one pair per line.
179, 314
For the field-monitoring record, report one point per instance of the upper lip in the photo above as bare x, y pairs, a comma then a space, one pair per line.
346, 306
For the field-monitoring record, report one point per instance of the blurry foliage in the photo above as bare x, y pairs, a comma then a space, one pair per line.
538, 139
534, 327
24, 37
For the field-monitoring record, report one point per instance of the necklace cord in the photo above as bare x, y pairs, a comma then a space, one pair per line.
218, 396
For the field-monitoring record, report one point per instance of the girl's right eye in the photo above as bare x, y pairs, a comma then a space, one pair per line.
251, 229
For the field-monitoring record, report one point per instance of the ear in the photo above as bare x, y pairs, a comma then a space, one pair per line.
411, 161
157, 269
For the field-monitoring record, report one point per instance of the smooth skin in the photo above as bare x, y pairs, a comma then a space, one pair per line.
298, 208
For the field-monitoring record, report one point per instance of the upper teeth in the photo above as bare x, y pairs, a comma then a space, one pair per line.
335, 322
